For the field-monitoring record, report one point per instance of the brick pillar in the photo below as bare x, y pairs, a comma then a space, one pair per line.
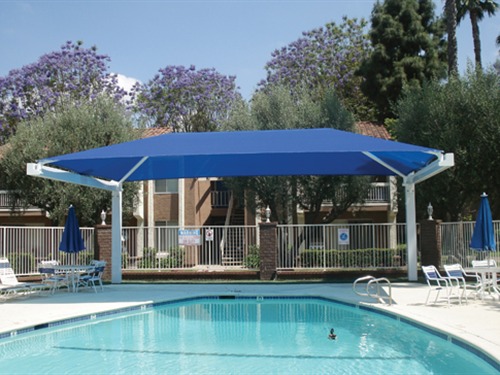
268, 250
102, 234
430, 242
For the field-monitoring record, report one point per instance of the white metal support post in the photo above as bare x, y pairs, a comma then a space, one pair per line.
116, 237
411, 231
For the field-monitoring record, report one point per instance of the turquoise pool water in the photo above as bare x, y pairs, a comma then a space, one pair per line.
238, 336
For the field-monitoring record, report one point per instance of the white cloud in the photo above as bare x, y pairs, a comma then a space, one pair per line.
126, 82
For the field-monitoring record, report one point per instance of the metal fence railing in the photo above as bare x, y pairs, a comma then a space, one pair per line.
342, 246
455, 241
331, 246
172, 247
25, 247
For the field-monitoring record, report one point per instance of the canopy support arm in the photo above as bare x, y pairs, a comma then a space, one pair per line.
444, 162
134, 168
43, 171
383, 163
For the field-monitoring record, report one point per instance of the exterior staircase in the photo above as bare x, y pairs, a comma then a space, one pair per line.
234, 236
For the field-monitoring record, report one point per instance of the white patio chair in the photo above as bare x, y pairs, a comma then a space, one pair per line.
456, 272
93, 277
437, 283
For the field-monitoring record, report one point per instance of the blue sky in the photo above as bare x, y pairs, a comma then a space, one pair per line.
236, 37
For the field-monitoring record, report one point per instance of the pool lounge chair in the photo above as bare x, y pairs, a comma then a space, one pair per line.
11, 285
437, 283
9, 292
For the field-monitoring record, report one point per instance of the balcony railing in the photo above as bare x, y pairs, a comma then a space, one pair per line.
4, 199
6, 202
379, 192
220, 198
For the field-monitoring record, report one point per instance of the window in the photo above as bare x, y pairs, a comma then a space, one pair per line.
167, 186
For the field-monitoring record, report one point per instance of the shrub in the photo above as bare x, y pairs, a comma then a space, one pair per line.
173, 260
252, 259
355, 258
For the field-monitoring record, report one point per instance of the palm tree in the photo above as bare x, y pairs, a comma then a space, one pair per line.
476, 10
496, 65
450, 10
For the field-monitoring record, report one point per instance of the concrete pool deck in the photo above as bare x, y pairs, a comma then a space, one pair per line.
476, 322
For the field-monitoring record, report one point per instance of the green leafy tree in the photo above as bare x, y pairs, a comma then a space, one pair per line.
407, 42
100, 122
476, 9
278, 108
461, 116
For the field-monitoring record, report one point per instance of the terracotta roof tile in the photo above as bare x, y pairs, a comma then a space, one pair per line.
372, 129
362, 127
152, 132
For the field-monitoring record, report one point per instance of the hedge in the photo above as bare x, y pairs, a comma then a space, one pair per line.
356, 258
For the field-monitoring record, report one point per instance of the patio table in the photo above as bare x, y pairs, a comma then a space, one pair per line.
488, 279
73, 272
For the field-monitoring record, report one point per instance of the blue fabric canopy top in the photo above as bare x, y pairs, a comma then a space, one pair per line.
248, 153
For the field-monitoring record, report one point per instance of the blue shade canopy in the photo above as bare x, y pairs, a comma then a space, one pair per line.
72, 241
483, 237
248, 153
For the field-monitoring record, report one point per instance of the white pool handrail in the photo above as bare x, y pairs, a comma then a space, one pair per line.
372, 280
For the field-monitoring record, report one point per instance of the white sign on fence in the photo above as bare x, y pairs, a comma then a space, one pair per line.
209, 234
189, 237
343, 236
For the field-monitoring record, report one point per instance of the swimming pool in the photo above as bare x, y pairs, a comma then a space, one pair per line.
229, 335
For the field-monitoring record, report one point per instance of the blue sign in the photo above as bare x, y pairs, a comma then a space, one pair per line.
344, 236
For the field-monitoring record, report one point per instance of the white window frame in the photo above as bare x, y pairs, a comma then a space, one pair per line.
168, 187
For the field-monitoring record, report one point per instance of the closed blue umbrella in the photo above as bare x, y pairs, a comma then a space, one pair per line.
72, 240
483, 237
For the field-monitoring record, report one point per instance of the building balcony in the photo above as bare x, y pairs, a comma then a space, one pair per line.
379, 193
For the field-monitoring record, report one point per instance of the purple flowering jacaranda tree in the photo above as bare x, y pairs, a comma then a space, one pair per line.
186, 99
322, 59
69, 76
